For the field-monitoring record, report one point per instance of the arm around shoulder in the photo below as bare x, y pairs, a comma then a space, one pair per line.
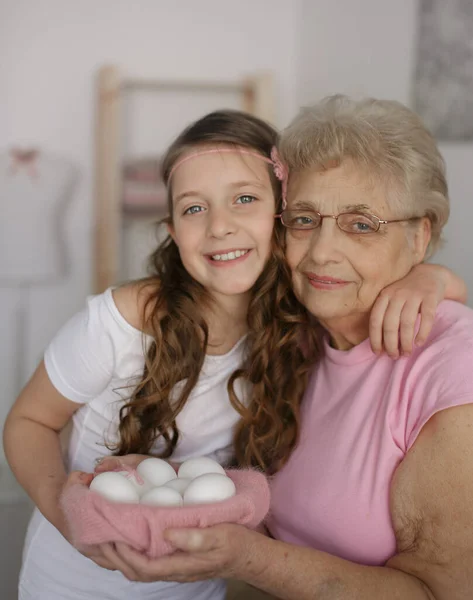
455, 286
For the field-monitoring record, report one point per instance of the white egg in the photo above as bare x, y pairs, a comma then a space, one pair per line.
139, 483
156, 471
194, 467
114, 487
179, 484
211, 487
162, 496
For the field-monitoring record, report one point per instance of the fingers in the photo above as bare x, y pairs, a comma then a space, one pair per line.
427, 314
143, 568
376, 323
109, 463
391, 327
395, 313
175, 567
393, 323
408, 321
201, 554
103, 562
112, 463
79, 477
95, 554
192, 540
111, 557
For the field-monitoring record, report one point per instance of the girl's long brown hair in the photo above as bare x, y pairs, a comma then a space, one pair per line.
275, 364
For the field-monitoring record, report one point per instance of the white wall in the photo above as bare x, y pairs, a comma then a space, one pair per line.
49, 53
367, 48
356, 47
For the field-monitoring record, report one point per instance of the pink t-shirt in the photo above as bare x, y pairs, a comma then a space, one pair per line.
361, 414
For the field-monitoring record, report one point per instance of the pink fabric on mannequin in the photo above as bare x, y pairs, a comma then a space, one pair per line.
94, 520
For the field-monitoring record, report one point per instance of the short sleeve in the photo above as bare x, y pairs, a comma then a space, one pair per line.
80, 359
444, 379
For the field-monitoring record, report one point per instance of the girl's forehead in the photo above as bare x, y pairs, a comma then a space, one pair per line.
221, 167
226, 158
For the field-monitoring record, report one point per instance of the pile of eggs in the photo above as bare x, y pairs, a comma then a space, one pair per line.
156, 483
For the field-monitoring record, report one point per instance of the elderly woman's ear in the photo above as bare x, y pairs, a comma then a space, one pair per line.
422, 239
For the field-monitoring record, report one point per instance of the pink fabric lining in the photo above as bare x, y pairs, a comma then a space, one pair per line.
94, 520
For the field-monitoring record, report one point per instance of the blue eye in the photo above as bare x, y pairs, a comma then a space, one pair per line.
193, 210
246, 199
357, 223
302, 221
363, 227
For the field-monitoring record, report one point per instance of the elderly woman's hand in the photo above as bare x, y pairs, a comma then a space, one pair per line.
214, 552
395, 312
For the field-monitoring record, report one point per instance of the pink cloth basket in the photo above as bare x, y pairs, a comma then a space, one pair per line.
95, 520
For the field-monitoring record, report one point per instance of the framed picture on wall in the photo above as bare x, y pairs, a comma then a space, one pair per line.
443, 84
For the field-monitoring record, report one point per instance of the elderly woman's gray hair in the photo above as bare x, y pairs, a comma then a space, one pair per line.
383, 136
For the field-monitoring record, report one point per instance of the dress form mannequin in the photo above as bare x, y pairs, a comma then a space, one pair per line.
34, 191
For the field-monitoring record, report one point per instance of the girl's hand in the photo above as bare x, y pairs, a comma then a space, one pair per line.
98, 554
395, 312
113, 463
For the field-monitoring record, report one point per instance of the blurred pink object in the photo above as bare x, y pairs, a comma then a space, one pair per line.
24, 159
144, 196
146, 169
94, 520
143, 187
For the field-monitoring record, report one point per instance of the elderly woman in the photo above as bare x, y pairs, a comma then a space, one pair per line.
376, 501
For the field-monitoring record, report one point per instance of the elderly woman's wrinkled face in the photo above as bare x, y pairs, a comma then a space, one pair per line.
338, 274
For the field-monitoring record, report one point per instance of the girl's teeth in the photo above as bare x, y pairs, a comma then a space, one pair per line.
229, 255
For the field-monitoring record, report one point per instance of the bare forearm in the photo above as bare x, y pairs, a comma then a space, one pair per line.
455, 288
294, 573
34, 454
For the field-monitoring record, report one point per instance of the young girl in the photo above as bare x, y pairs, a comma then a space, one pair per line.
164, 366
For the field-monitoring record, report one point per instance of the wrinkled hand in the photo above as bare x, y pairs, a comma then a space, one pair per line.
214, 552
395, 312
96, 553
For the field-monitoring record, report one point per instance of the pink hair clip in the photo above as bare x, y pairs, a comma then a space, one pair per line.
281, 172
280, 169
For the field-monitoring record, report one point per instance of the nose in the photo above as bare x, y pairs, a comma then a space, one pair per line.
221, 222
325, 242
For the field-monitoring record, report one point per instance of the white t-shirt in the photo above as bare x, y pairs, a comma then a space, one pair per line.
92, 360
32, 199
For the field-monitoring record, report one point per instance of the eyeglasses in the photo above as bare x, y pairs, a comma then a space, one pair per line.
358, 223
